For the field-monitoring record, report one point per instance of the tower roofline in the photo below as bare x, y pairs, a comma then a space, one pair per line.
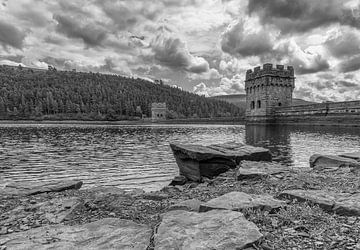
269, 70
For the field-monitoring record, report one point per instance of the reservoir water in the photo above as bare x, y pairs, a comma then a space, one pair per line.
139, 156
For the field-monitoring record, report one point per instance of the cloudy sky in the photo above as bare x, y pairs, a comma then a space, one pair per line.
203, 46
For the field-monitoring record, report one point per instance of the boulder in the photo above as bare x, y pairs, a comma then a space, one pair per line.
341, 203
321, 162
251, 170
187, 205
18, 189
217, 229
354, 156
178, 181
109, 233
238, 201
197, 161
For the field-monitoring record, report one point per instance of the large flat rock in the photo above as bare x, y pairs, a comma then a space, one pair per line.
217, 229
353, 155
342, 203
109, 233
196, 161
238, 201
46, 187
320, 162
252, 170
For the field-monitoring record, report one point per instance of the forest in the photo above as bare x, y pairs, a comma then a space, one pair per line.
62, 95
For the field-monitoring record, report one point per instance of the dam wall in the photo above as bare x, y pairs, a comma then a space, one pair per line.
332, 113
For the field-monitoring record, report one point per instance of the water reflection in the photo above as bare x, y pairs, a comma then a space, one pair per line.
293, 145
140, 156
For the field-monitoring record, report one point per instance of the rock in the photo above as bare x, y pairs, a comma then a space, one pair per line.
178, 181
238, 200
354, 156
109, 233
341, 203
23, 190
103, 191
321, 162
196, 161
187, 205
217, 229
251, 170
54, 211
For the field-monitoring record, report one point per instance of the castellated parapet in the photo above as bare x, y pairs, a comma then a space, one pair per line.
266, 89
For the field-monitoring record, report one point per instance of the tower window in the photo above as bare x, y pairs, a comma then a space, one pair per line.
259, 104
252, 106
279, 104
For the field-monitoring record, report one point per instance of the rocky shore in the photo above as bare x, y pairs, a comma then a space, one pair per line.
250, 205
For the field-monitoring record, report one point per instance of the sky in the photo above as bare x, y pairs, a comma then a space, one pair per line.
202, 46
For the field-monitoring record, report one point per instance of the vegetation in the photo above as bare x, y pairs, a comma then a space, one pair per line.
50, 94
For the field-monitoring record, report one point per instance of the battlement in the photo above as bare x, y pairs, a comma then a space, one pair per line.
269, 70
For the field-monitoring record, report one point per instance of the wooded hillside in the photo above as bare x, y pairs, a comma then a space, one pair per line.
51, 94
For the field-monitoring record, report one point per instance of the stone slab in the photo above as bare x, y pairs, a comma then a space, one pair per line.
342, 203
321, 162
197, 161
19, 189
353, 155
217, 229
109, 233
251, 170
238, 201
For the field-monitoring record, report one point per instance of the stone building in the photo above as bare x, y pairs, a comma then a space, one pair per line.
268, 88
158, 111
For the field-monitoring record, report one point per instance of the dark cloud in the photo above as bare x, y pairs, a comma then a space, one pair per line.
11, 36
92, 34
349, 65
13, 58
347, 84
346, 44
317, 64
303, 15
235, 41
172, 52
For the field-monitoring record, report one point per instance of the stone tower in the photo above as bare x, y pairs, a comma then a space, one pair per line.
266, 89
158, 111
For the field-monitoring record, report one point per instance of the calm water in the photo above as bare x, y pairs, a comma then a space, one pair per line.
140, 156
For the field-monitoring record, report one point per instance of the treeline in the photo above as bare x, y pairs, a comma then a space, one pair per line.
51, 94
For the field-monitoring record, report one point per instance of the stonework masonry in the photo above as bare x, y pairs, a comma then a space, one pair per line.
158, 111
268, 88
269, 100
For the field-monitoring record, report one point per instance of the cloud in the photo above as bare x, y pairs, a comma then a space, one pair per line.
91, 33
344, 44
303, 15
238, 41
350, 65
172, 52
226, 86
11, 36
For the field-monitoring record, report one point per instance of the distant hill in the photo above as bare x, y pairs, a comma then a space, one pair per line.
27, 93
240, 100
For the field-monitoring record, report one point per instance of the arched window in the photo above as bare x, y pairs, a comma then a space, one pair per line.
258, 104
279, 104
252, 106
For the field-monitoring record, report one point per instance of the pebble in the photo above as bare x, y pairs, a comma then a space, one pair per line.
3, 230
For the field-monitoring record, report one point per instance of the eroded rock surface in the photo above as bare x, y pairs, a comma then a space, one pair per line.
109, 233
187, 205
239, 200
217, 229
320, 162
24, 190
251, 170
197, 161
342, 203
